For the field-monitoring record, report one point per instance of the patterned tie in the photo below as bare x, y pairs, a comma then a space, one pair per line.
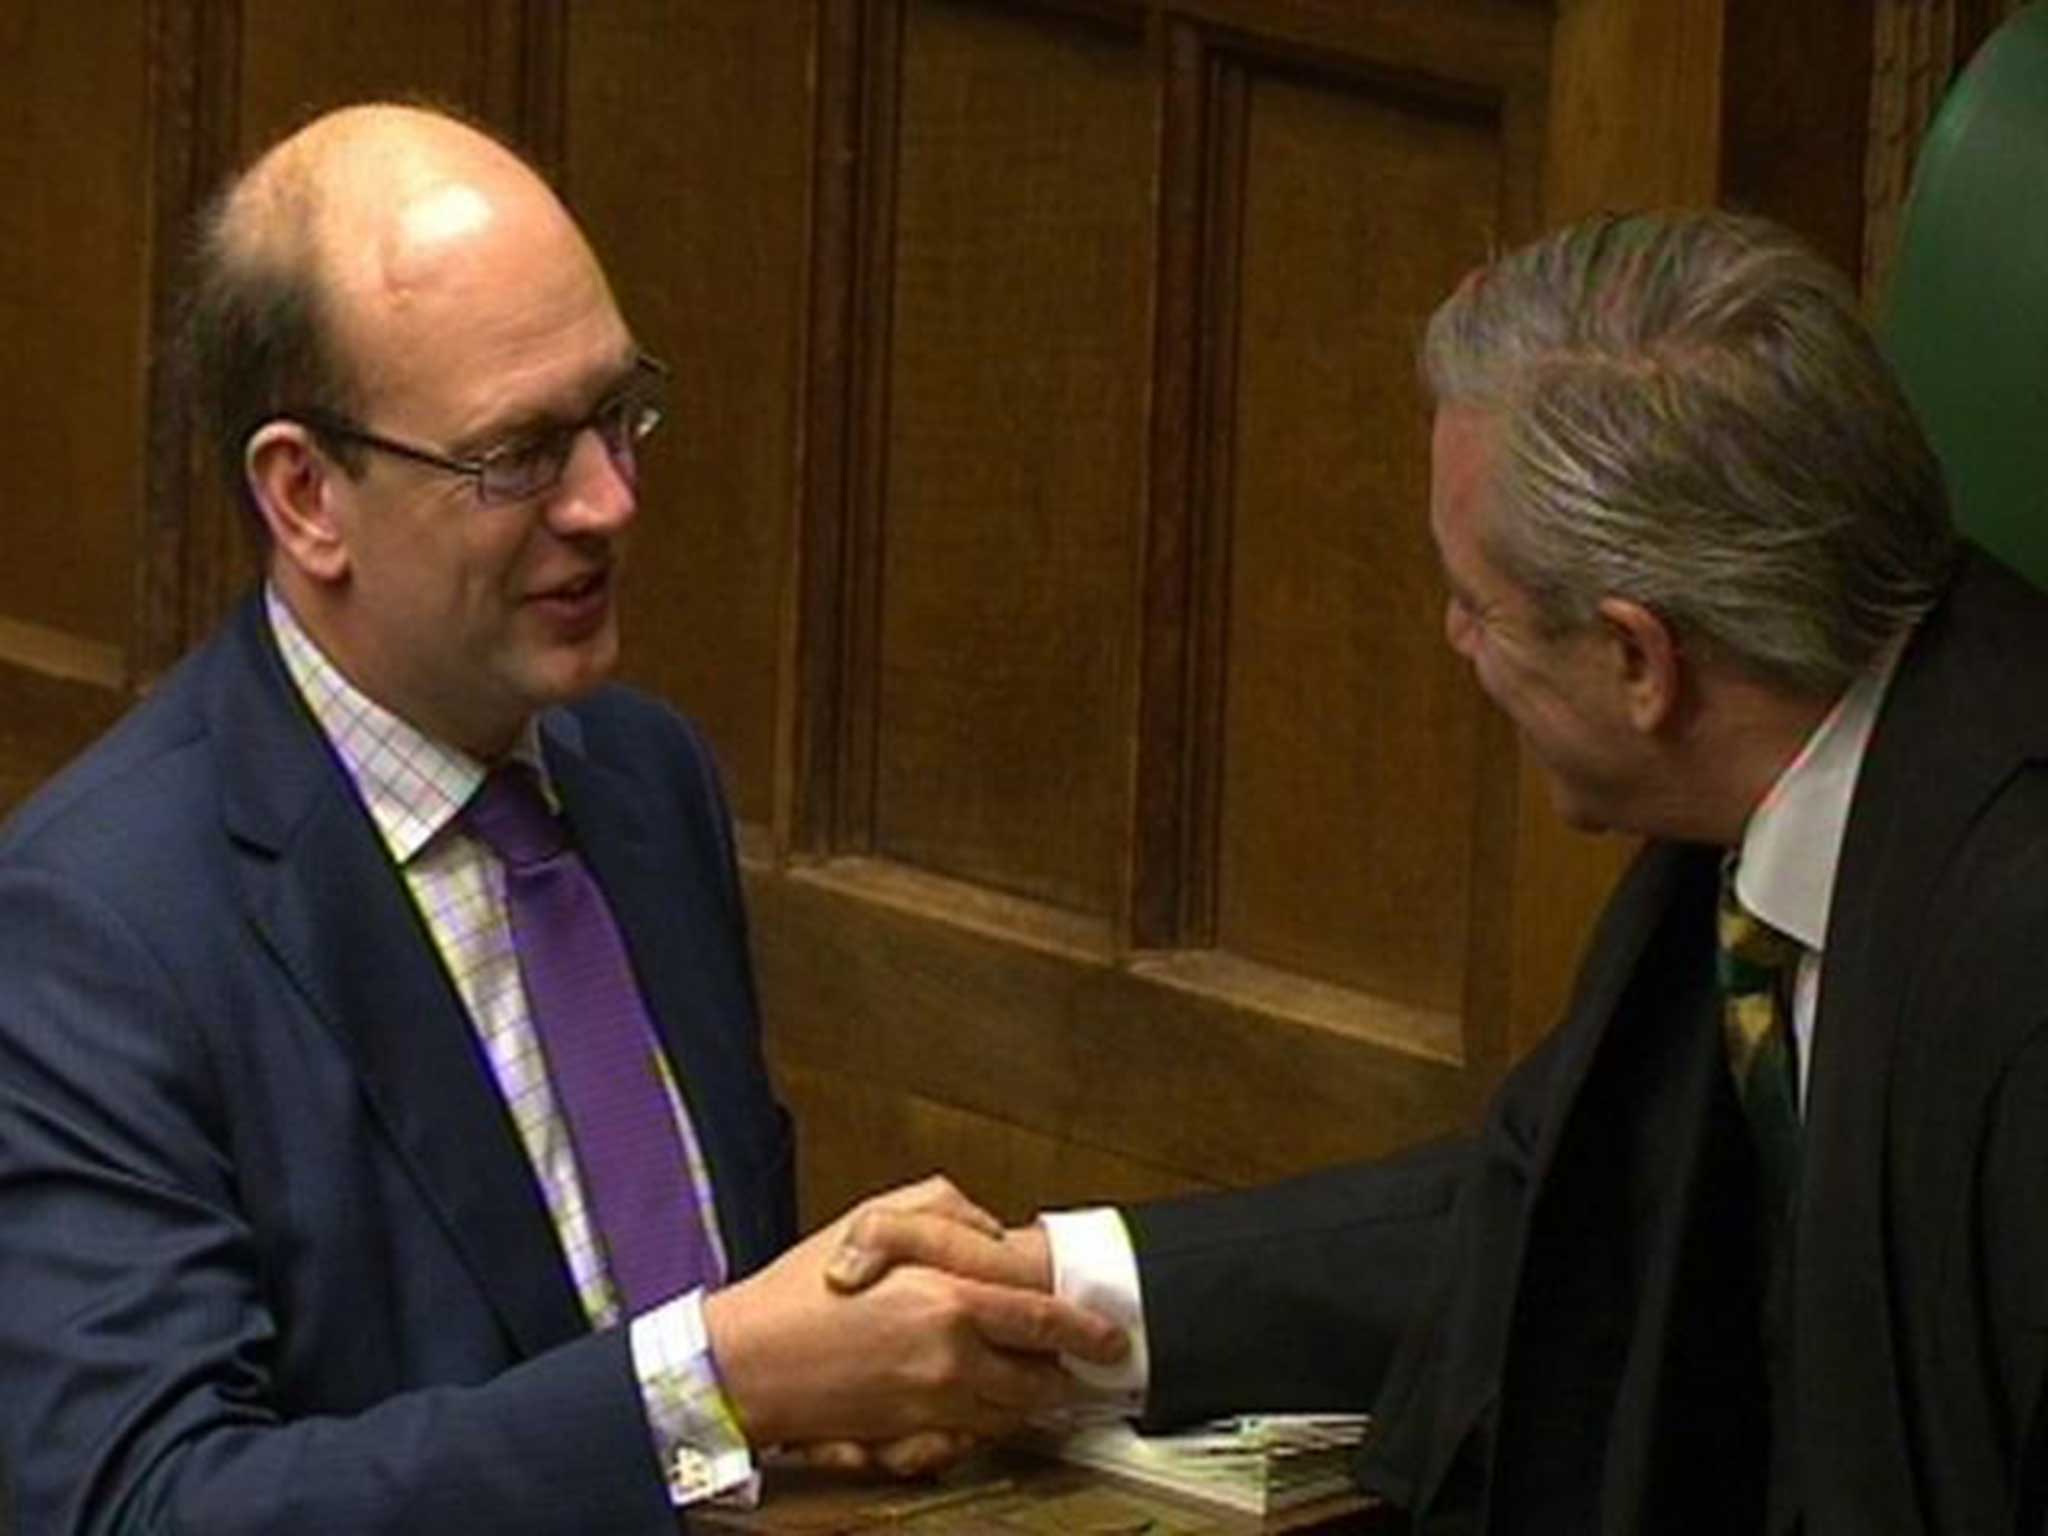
1755, 968
599, 1044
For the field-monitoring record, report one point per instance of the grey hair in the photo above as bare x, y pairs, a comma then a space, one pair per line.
1694, 416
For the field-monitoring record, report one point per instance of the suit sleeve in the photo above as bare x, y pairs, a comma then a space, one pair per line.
1288, 1297
1323, 1292
136, 1336
2013, 1170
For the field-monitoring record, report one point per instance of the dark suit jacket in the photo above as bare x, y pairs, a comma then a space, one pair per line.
1557, 1320
271, 1256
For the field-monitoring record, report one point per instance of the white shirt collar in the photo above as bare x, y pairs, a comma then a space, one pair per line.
412, 784
1793, 842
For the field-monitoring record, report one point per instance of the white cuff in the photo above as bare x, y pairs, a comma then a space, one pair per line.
697, 1439
1094, 1266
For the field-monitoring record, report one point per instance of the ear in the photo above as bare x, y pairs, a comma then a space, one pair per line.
1648, 664
294, 484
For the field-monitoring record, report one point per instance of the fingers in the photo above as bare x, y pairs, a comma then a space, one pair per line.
921, 1454
938, 1196
1032, 1323
981, 1356
1008, 1388
935, 1204
835, 1455
879, 1238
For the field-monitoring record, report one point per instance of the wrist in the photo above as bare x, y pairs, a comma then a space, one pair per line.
732, 1340
698, 1441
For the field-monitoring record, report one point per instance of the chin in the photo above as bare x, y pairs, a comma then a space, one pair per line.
1577, 814
565, 679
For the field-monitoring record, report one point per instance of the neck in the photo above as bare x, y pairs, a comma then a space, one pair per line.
324, 623
1745, 736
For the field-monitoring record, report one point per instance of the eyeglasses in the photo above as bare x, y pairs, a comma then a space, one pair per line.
534, 464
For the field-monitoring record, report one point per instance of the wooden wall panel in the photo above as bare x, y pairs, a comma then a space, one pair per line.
1635, 106
45, 723
854, 1138
1014, 454
1485, 45
297, 60
1350, 746
1793, 138
1154, 1068
74, 137
692, 185
1174, 963
75, 253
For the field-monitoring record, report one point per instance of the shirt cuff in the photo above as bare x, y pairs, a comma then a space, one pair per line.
1095, 1266
697, 1440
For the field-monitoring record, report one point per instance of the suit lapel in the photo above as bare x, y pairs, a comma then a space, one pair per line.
1689, 1429
1939, 750
324, 900
1633, 1271
1627, 923
1636, 915
1844, 1331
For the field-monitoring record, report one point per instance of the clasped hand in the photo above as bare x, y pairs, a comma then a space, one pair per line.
900, 1333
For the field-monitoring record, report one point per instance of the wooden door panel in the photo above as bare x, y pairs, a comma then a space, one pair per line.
891, 994
297, 60
1167, 829
73, 265
855, 1138
74, 308
691, 183
1351, 736
1013, 457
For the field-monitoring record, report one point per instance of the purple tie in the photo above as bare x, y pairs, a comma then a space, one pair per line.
600, 1046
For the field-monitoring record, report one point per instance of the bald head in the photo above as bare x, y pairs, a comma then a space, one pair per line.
320, 261
401, 322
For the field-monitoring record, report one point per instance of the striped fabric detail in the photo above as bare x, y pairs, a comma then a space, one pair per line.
1756, 964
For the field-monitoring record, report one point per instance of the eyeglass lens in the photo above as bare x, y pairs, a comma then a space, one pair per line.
527, 469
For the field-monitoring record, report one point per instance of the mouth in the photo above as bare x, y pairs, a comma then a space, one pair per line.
577, 589
578, 603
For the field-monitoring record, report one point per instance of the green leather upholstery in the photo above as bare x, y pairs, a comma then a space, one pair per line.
1966, 315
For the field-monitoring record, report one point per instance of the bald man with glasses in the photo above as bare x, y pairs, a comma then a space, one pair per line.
385, 1143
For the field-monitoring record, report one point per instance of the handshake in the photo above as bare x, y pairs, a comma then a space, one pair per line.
898, 1335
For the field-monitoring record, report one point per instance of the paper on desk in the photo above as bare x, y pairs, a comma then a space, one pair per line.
1258, 1462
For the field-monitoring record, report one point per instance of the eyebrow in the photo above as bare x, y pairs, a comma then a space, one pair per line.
518, 426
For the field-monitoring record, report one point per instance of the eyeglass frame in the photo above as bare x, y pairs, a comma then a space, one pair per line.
648, 377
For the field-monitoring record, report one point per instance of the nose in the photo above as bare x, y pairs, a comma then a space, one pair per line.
597, 495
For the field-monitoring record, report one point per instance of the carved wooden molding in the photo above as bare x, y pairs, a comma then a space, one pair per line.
1912, 58
1919, 47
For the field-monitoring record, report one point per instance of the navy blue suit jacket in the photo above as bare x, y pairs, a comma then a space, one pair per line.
271, 1255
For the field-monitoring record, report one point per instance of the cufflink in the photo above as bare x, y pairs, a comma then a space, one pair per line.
690, 1476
